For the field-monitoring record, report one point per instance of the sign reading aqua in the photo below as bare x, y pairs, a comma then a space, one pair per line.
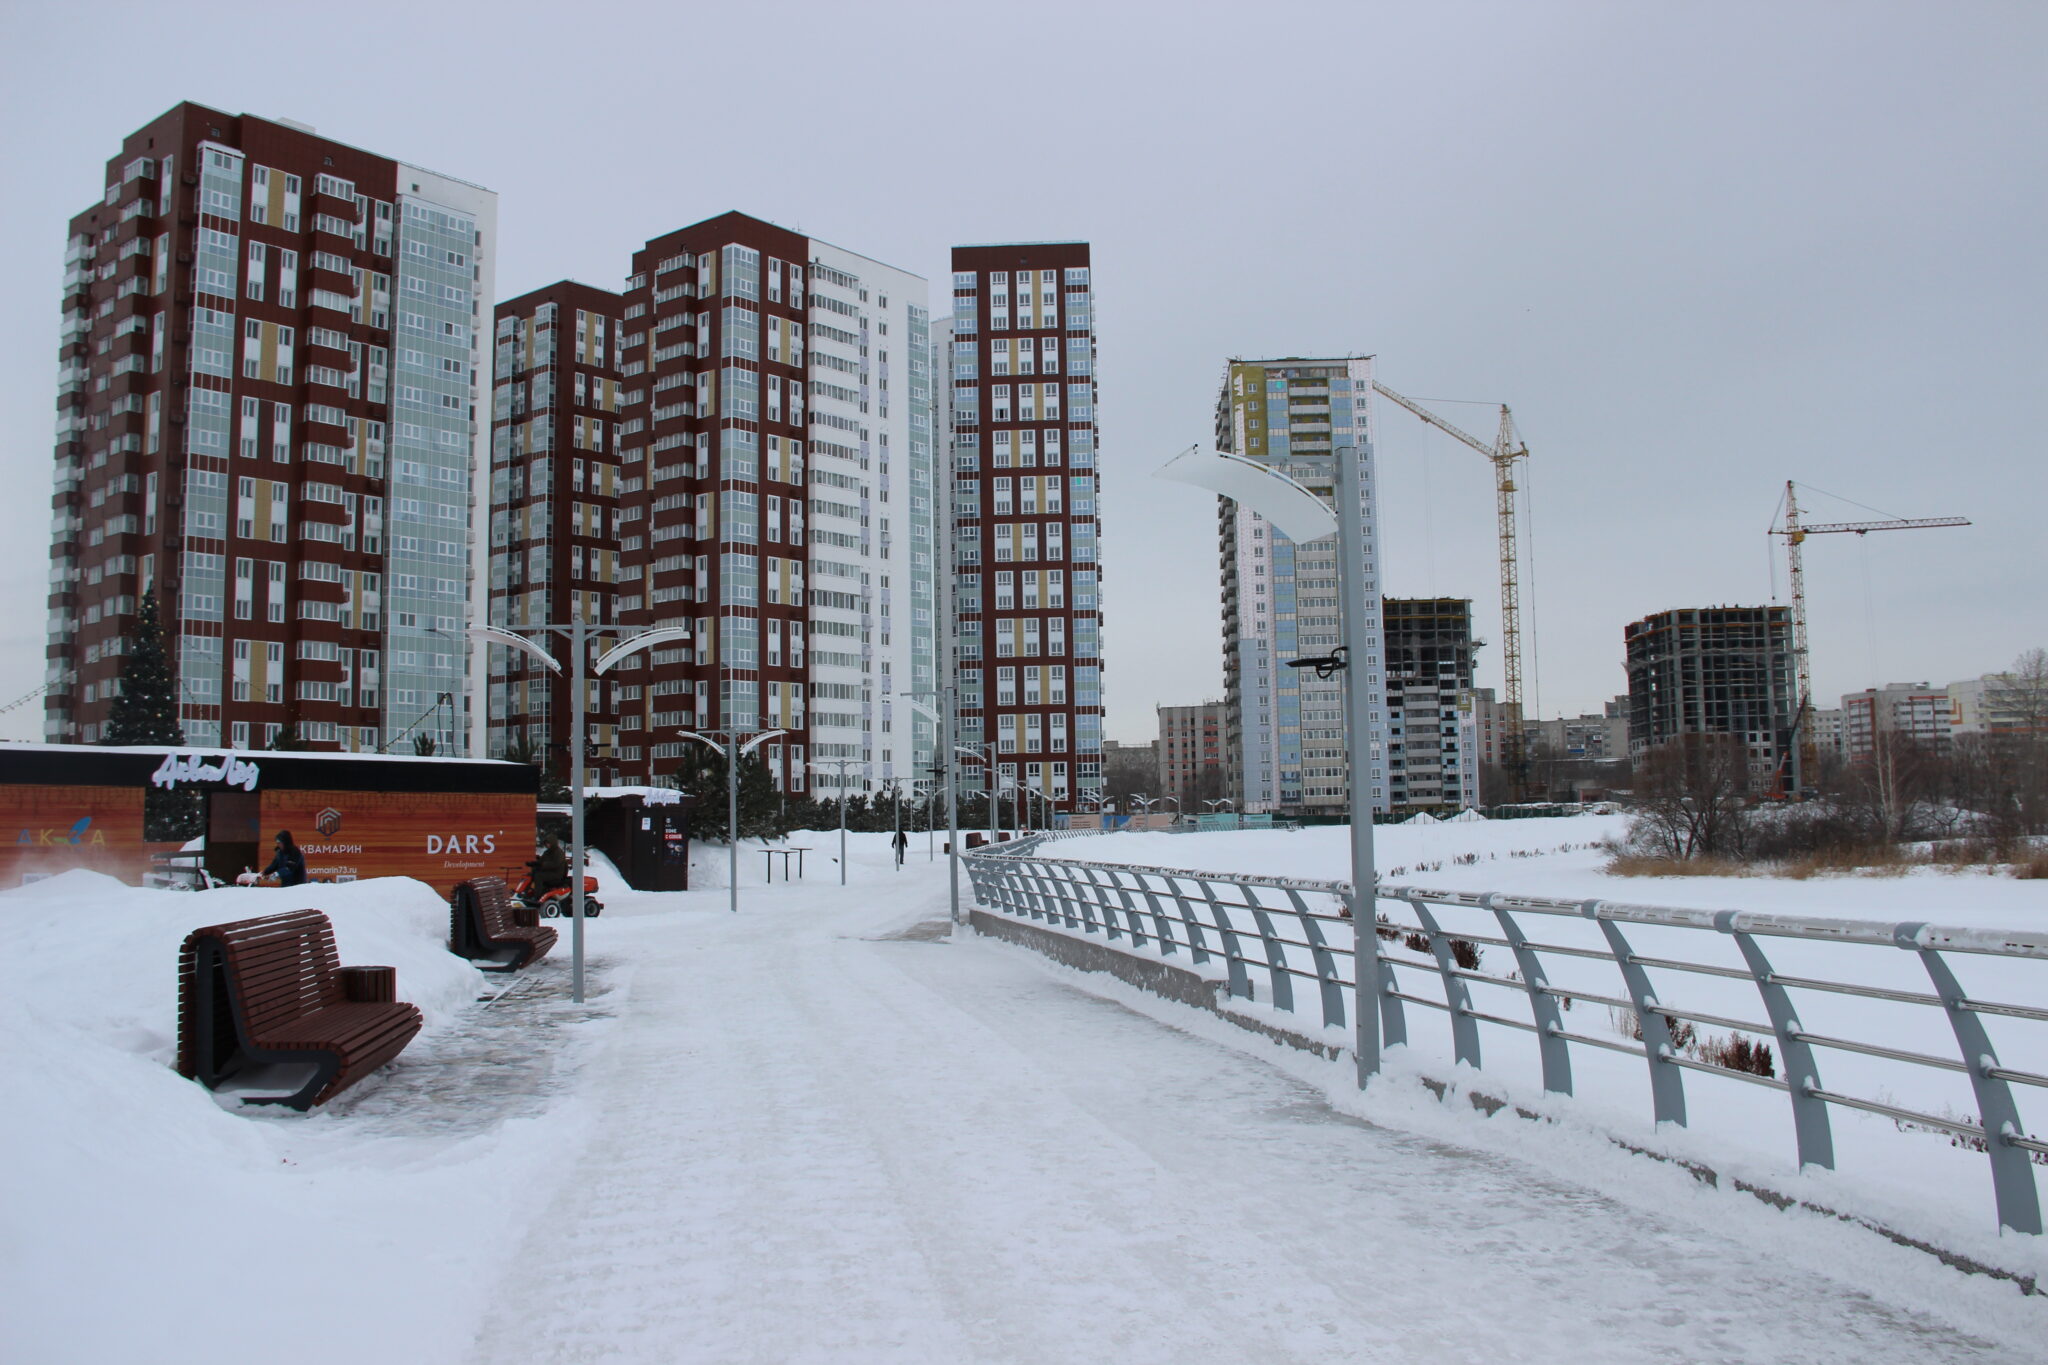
228, 770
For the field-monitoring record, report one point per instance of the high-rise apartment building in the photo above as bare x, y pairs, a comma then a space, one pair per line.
267, 403
556, 454
776, 498
1284, 727
1717, 671
1019, 412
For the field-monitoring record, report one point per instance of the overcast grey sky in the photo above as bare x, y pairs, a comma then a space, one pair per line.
1700, 248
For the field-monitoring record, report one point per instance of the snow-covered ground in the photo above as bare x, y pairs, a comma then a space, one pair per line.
822, 1130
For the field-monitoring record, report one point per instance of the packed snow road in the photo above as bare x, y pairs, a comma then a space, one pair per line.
822, 1134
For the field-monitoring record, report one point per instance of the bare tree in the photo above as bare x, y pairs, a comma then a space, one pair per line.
1691, 798
2019, 699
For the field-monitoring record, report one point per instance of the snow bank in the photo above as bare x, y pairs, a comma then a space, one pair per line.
103, 956
218, 1226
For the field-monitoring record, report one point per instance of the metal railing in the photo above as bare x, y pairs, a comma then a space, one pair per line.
1290, 943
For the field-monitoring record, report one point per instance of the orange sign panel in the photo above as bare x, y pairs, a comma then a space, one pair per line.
45, 830
440, 838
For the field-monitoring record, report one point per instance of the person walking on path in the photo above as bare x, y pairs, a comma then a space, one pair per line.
288, 865
901, 842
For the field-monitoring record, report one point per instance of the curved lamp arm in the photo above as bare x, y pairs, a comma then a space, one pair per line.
636, 644
518, 642
1300, 514
703, 739
758, 740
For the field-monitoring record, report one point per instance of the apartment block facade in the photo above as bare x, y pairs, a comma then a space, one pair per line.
776, 497
1916, 712
1019, 414
270, 368
555, 522
1713, 670
1284, 727
1191, 753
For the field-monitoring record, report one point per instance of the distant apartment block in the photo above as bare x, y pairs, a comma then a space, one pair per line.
270, 366
1825, 730
1712, 670
1585, 738
1995, 703
1018, 409
1191, 753
1910, 711
1284, 727
555, 524
776, 497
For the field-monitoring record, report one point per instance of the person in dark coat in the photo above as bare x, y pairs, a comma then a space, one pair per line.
288, 865
550, 868
900, 842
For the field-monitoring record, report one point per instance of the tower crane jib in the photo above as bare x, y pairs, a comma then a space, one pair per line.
1502, 452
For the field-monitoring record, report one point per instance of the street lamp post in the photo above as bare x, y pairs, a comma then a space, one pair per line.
945, 768
732, 751
980, 755
1302, 516
841, 764
579, 633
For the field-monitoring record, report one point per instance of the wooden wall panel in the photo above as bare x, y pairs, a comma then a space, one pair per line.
51, 829
440, 838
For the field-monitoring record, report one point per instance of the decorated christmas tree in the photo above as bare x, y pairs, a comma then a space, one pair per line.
145, 708
145, 711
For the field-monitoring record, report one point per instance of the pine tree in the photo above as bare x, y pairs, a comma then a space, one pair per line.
702, 775
145, 710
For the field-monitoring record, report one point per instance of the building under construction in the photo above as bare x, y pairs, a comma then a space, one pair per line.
1713, 671
1432, 728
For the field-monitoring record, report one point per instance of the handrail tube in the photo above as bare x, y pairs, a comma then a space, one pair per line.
1085, 899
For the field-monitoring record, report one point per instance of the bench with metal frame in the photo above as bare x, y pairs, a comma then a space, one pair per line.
267, 1011
485, 927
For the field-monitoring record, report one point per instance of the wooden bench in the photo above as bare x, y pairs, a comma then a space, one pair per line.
483, 927
265, 1007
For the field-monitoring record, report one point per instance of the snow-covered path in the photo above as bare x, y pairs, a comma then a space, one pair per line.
820, 1138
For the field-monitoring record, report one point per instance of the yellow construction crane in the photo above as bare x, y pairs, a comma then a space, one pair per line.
1795, 534
1505, 448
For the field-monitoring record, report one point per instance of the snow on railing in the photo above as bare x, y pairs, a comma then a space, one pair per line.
1264, 936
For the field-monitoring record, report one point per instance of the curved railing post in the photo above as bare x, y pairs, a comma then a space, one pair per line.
1327, 982
2012, 1169
1556, 1054
1060, 892
1091, 893
1198, 946
1233, 951
1810, 1125
1667, 1083
1276, 952
1457, 993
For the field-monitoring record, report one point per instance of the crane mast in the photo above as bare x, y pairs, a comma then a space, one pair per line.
1502, 452
1802, 751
